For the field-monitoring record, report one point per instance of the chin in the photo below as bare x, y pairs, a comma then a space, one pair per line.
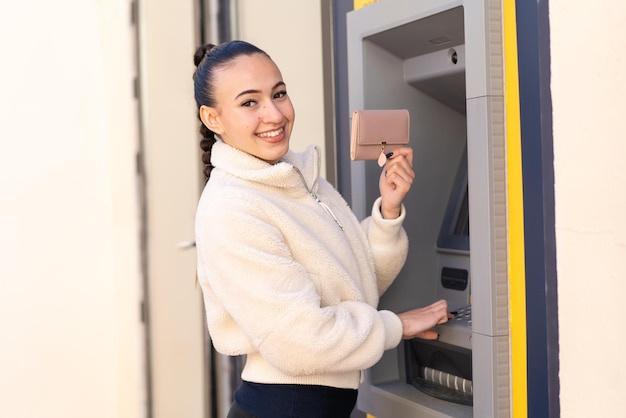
277, 154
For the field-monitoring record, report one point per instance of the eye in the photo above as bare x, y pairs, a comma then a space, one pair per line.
280, 94
248, 103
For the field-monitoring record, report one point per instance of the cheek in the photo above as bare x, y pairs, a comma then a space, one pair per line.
288, 111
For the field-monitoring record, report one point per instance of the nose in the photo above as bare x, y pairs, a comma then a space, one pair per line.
272, 113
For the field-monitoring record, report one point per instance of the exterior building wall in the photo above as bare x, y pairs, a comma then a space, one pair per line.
291, 33
70, 330
171, 158
588, 90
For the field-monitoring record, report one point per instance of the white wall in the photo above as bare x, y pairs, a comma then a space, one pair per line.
70, 335
588, 92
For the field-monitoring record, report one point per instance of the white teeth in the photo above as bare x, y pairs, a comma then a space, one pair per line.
271, 134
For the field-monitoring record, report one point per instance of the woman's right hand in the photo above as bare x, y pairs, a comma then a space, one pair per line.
395, 181
418, 323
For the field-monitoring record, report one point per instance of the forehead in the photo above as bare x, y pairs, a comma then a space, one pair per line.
246, 72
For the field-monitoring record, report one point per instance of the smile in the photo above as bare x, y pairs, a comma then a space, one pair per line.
271, 134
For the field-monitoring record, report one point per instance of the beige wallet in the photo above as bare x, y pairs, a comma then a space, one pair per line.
376, 133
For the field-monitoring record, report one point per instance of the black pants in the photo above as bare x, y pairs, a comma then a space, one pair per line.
237, 412
256, 400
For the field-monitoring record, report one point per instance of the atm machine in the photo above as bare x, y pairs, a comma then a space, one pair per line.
441, 60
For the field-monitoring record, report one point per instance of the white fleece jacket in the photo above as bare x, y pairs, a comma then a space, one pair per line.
283, 283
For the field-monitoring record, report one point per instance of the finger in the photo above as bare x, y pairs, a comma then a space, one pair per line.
398, 182
400, 173
443, 303
404, 151
440, 304
440, 309
400, 162
428, 335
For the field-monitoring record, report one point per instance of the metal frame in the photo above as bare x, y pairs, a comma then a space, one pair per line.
487, 184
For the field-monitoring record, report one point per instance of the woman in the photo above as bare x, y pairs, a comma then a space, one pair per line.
290, 278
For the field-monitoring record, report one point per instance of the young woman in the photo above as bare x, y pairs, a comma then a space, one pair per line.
290, 277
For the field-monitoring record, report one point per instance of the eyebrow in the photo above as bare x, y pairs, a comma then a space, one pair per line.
252, 91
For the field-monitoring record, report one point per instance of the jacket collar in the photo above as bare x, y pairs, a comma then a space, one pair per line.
281, 175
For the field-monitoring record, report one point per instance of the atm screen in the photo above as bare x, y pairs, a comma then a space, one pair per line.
461, 226
454, 233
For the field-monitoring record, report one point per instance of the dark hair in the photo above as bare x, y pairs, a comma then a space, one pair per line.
207, 59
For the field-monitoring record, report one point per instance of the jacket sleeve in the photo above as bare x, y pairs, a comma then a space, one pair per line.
389, 243
261, 299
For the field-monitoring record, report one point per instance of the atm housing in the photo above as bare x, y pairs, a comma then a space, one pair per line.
441, 60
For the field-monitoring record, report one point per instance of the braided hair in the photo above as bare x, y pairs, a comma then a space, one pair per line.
207, 59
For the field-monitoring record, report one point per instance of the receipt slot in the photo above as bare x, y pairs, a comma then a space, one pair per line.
441, 60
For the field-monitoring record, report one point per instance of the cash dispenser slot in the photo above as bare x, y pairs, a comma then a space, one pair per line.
441, 370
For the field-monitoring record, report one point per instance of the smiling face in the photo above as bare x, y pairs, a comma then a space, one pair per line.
253, 112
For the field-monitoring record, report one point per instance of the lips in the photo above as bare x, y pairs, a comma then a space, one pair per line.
272, 136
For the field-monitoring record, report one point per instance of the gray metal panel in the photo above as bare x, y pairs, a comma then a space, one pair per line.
491, 364
486, 154
440, 74
377, 48
368, 22
483, 48
424, 38
398, 399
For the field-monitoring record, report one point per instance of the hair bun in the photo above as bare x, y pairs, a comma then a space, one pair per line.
201, 52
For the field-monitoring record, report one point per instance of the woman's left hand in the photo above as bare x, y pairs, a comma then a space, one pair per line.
395, 181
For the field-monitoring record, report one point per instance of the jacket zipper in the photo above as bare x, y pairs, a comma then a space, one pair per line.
326, 208
317, 199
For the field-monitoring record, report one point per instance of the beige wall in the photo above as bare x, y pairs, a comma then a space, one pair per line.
588, 92
70, 333
291, 33
172, 158
70, 274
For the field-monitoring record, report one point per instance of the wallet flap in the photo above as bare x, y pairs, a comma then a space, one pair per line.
378, 130
374, 127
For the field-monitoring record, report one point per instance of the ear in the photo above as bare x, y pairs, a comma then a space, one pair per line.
210, 118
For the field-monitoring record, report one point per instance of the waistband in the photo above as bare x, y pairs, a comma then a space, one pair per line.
290, 400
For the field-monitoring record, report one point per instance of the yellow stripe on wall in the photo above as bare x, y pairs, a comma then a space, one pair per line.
357, 5
515, 204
